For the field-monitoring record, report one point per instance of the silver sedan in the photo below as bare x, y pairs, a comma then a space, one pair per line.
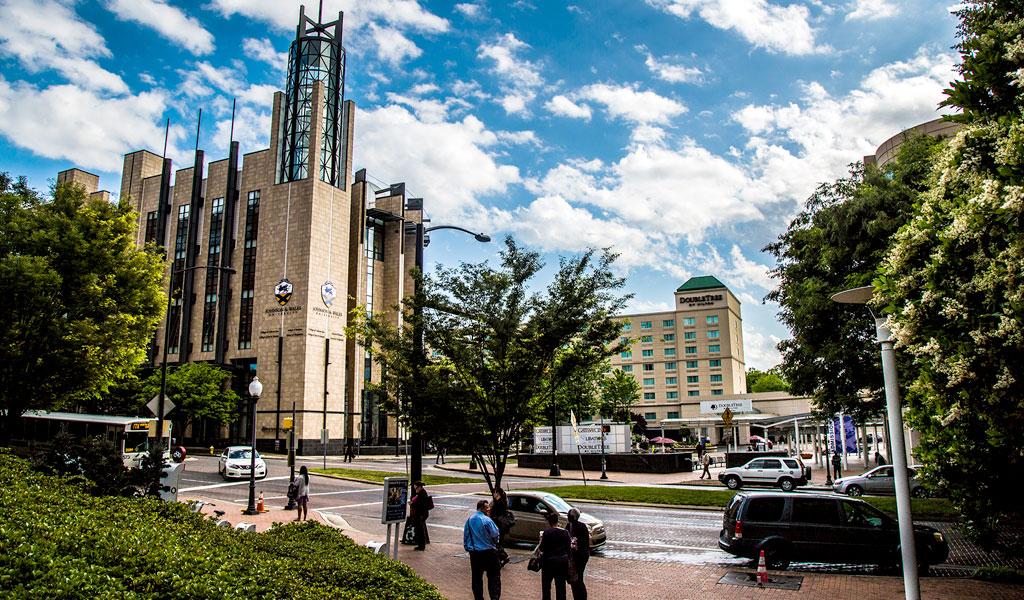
530, 510
878, 482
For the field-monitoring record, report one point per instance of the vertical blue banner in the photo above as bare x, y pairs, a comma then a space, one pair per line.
851, 435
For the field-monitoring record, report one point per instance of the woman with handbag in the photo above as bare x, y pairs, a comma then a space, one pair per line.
503, 518
580, 553
301, 483
554, 551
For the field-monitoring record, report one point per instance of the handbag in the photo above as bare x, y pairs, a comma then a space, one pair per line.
293, 491
573, 574
534, 564
503, 558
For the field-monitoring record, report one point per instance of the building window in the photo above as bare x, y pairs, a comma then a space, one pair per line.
692, 379
151, 222
670, 366
668, 323
626, 326
670, 351
669, 337
647, 353
692, 393
181, 235
673, 414
713, 334
645, 324
651, 416
690, 321
252, 226
647, 339
212, 274
649, 396
374, 239
712, 319
627, 368
689, 335
691, 349
627, 354
716, 378
691, 364
717, 392
715, 363
624, 340
714, 348
671, 381
648, 381
648, 367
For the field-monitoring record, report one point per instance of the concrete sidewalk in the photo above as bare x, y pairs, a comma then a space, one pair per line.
446, 566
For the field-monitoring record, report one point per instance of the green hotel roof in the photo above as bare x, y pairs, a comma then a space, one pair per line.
706, 282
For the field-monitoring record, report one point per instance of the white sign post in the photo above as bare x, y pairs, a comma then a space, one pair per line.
396, 493
588, 441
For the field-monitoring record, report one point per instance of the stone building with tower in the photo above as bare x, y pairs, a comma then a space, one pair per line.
268, 251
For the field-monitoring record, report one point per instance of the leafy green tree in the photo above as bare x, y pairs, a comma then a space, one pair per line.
619, 392
199, 391
579, 393
953, 283
81, 300
766, 381
499, 351
838, 242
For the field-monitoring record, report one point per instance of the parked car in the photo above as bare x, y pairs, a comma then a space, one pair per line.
820, 528
879, 481
530, 508
235, 462
784, 473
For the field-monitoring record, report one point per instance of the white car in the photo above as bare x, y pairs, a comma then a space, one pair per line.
784, 472
235, 462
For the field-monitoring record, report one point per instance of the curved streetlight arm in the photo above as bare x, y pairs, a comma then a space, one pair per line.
480, 237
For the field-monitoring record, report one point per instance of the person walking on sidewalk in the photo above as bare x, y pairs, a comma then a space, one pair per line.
837, 465
350, 452
419, 509
705, 461
480, 540
580, 553
554, 558
301, 482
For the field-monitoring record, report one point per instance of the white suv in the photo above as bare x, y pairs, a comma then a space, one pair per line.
784, 473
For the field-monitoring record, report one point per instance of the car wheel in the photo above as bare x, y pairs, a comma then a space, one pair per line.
854, 490
733, 482
786, 484
775, 557
920, 492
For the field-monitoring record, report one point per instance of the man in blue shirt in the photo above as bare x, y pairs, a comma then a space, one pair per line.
480, 539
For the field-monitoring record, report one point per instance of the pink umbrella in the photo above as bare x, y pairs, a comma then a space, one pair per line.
662, 440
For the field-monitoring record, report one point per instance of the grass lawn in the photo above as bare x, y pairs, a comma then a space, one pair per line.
925, 509
378, 476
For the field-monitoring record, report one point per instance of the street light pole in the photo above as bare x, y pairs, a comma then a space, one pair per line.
415, 437
291, 458
904, 515
604, 472
255, 389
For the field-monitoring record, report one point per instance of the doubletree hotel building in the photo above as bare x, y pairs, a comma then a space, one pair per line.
268, 251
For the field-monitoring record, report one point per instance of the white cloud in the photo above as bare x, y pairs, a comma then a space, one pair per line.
170, 22
94, 132
673, 72
447, 163
775, 28
205, 80
631, 104
403, 14
563, 106
472, 11
759, 349
872, 10
46, 34
263, 50
519, 138
392, 46
520, 78
251, 130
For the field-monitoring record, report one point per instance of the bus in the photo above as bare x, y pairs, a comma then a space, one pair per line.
131, 435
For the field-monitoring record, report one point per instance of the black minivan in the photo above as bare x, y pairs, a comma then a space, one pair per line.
820, 528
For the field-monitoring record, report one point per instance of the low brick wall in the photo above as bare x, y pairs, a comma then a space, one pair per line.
671, 462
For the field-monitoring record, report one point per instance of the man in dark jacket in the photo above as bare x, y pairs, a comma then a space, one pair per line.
419, 510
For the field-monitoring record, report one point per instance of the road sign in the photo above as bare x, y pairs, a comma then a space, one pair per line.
727, 417
154, 405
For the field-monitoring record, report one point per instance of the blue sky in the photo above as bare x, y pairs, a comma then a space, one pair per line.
685, 134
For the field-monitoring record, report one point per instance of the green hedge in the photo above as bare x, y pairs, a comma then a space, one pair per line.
58, 542
371, 476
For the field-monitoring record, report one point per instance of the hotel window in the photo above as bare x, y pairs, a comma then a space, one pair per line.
648, 381
717, 392
645, 324
689, 335
690, 321
668, 323
669, 337
716, 378
648, 367
713, 334
692, 379
693, 393
626, 326
151, 221
670, 366
714, 348
624, 340
627, 368
252, 226
629, 353
691, 364
649, 396
212, 274
651, 416
670, 351
712, 319
671, 380
715, 363
647, 353
691, 349
647, 338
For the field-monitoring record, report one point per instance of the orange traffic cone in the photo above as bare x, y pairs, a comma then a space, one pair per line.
259, 508
762, 571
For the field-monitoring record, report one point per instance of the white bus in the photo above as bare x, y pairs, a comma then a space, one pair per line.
131, 435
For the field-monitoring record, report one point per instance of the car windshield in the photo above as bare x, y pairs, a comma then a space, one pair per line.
241, 453
557, 503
